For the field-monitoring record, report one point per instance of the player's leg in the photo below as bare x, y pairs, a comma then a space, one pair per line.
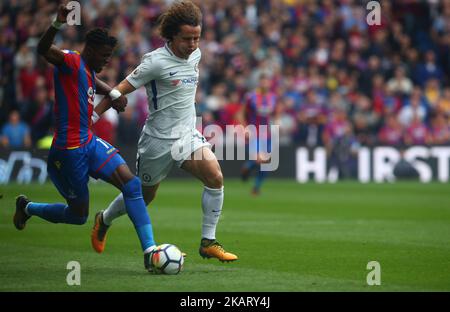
130, 185
107, 164
252, 163
247, 169
262, 157
104, 218
117, 207
204, 165
71, 213
150, 170
68, 171
260, 177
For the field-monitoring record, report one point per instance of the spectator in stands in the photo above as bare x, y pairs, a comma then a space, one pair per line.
432, 93
15, 134
285, 121
439, 133
342, 147
385, 102
429, 69
415, 107
416, 132
365, 120
400, 84
391, 132
444, 103
336, 128
40, 114
311, 121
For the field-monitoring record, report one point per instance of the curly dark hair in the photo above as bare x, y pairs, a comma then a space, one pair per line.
180, 13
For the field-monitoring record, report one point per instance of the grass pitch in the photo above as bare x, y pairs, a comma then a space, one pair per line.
293, 237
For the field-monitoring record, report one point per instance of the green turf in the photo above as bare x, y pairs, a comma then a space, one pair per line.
293, 237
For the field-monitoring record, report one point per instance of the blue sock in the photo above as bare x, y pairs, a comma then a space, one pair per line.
137, 211
259, 179
55, 213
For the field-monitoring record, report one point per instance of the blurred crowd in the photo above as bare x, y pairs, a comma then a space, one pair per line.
339, 81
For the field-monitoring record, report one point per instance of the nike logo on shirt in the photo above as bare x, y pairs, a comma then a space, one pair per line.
172, 73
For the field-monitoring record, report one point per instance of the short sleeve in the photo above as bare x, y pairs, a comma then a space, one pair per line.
147, 71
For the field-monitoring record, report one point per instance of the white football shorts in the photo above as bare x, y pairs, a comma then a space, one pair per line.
156, 156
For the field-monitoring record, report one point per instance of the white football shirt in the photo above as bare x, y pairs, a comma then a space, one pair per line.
171, 83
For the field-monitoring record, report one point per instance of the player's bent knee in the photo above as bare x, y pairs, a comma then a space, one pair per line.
77, 212
132, 188
74, 218
215, 180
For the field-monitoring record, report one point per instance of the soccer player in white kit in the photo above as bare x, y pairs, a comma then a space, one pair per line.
170, 76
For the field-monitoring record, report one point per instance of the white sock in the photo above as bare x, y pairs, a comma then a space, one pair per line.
26, 210
115, 209
212, 201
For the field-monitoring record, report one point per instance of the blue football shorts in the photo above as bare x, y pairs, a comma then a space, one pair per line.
69, 169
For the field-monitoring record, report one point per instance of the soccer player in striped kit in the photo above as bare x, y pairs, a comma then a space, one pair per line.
259, 109
76, 153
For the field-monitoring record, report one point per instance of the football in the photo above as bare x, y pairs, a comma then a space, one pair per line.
167, 259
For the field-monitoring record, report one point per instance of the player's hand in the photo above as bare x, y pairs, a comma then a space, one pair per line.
120, 103
63, 11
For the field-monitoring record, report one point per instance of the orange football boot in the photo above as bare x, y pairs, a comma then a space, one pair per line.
213, 249
98, 234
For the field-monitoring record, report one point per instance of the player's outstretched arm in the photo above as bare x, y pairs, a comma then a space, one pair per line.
106, 103
45, 48
125, 87
102, 87
117, 95
102, 107
121, 89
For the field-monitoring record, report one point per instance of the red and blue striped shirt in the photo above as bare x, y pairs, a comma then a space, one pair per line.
74, 102
260, 109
